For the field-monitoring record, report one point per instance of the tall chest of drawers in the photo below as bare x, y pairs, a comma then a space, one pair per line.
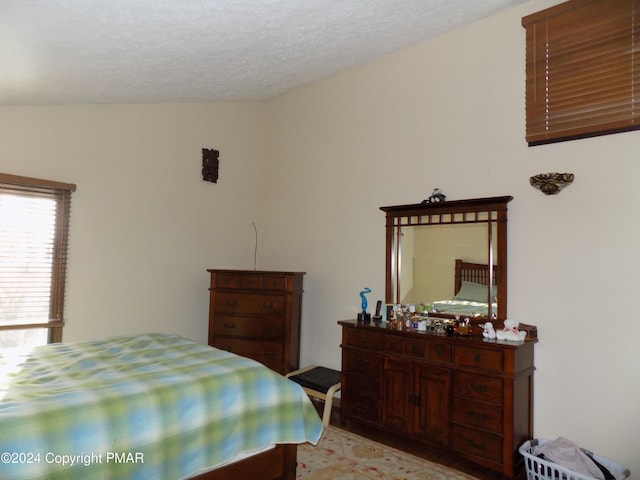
467, 395
256, 314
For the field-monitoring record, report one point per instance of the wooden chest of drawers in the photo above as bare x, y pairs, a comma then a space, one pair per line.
467, 395
363, 369
256, 314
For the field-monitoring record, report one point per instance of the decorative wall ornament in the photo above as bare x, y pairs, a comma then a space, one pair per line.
210, 163
551, 183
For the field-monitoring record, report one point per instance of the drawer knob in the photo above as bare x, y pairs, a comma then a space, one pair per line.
477, 388
231, 303
439, 350
363, 362
480, 417
477, 357
267, 304
270, 353
362, 409
477, 445
229, 326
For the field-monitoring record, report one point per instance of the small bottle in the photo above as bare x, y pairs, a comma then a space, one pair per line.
450, 329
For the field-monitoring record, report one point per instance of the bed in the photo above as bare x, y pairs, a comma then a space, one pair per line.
470, 290
151, 406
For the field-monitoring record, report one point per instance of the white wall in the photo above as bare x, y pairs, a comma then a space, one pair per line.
449, 113
144, 225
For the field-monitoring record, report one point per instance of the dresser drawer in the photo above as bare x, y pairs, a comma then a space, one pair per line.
274, 282
361, 363
363, 338
475, 414
253, 304
226, 280
439, 352
249, 327
250, 281
475, 442
362, 408
360, 386
393, 344
483, 358
478, 387
267, 353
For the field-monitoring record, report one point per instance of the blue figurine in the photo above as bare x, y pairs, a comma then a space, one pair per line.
364, 317
364, 299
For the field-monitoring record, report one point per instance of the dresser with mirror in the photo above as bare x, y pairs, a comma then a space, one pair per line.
466, 394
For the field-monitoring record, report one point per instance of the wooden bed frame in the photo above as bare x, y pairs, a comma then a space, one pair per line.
472, 272
279, 463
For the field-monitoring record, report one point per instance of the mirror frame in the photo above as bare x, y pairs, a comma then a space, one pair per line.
491, 210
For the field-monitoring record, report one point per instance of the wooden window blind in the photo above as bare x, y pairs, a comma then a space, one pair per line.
34, 231
582, 70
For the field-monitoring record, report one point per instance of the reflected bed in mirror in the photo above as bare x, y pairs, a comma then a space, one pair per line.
438, 254
471, 296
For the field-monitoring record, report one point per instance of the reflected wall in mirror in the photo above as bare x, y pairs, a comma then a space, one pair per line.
439, 255
428, 255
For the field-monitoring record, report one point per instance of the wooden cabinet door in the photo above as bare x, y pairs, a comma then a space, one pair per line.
398, 395
433, 385
416, 400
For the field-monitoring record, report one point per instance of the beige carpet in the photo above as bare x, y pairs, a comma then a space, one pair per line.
341, 455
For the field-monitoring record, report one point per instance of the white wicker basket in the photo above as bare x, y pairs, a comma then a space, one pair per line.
540, 469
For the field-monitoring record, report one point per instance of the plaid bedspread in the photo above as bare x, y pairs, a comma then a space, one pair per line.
141, 407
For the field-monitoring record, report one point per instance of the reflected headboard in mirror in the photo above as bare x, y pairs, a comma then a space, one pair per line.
439, 254
477, 273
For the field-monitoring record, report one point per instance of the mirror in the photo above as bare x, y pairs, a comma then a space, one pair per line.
428, 254
438, 254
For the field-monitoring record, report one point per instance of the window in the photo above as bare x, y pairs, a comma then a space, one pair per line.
34, 228
583, 70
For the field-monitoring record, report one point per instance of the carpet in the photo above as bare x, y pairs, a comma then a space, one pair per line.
341, 455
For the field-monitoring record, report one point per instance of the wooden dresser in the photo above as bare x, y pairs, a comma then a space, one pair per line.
467, 395
256, 314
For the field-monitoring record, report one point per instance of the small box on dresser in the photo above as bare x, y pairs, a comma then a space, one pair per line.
257, 314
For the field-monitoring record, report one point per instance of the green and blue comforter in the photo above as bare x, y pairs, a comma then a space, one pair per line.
150, 406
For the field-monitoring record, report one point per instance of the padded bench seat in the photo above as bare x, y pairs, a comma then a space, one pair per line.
319, 382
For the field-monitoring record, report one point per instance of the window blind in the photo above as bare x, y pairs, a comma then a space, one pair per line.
34, 231
582, 70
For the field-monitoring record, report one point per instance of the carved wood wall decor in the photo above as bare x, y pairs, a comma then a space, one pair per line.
551, 183
210, 164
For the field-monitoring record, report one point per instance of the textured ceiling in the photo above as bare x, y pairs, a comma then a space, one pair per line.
135, 51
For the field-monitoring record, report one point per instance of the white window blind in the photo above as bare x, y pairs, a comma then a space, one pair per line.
34, 227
